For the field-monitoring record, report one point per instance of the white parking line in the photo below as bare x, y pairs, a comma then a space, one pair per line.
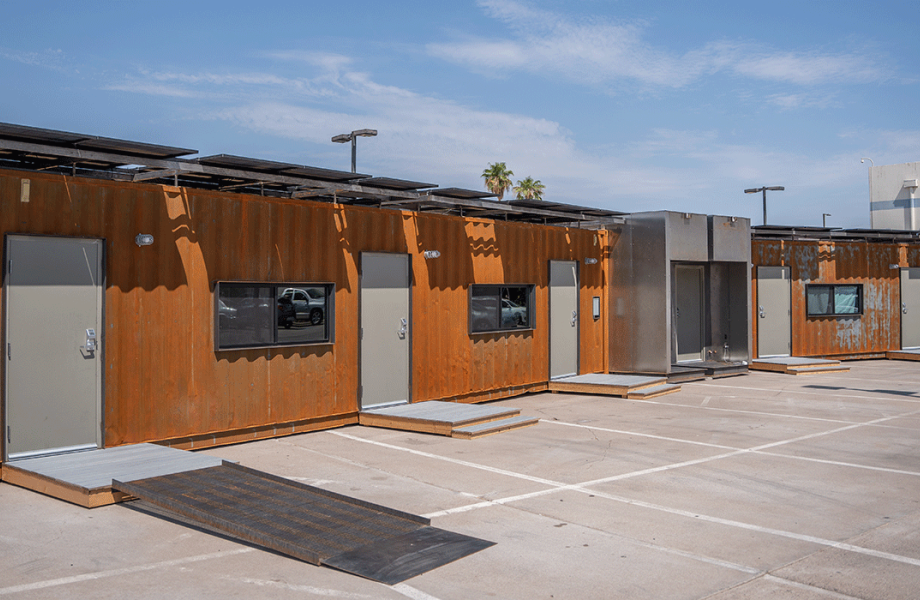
39, 585
585, 488
895, 397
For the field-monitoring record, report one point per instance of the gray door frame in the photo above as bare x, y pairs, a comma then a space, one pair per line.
769, 315
14, 346
560, 326
700, 270
368, 324
910, 309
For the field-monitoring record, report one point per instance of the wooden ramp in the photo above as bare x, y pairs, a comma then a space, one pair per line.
793, 365
85, 478
912, 354
624, 386
454, 419
306, 522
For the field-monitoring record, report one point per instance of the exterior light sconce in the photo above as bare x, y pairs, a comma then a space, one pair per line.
428, 254
734, 219
894, 266
143, 239
686, 215
590, 261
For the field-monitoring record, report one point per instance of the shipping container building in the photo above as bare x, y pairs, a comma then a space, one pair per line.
831, 293
149, 296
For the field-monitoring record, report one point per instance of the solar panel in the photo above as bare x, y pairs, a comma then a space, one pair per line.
454, 192
395, 184
67, 139
133, 148
35, 134
244, 163
325, 174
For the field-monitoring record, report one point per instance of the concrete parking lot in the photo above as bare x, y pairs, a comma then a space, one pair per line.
754, 487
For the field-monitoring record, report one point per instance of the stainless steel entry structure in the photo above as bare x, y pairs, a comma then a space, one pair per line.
688, 311
910, 308
774, 312
54, 345
563, 318
385, 329
662, 262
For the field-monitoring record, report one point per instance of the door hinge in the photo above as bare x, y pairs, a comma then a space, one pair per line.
9, 351
9, 434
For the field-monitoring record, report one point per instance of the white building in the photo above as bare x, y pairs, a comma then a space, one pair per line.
893, 196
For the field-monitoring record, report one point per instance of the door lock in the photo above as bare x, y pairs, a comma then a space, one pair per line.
574, 317
762, 315
904, 308
90, 345
401, 332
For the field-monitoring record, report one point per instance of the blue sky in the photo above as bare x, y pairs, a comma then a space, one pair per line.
624, 105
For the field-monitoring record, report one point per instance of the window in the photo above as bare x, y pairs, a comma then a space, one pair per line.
501, 308
253, 315
834, 300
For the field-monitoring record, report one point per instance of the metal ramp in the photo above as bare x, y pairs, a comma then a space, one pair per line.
624, 386
454, 419
794, 365
306, 522
912, 354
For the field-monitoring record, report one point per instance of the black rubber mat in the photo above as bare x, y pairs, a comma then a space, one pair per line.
306, 522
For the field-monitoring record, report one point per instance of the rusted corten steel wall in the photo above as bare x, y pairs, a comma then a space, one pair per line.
870, 334
163, 378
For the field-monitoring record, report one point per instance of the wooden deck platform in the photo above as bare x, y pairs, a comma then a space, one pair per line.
85, 478
613, 384
794, 365
912, 354
452, 419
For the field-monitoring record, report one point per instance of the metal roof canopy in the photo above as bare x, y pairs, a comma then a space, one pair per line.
35, 149
832, 233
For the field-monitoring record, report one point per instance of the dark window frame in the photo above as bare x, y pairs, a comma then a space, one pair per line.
831, 288
272, 332
480, 321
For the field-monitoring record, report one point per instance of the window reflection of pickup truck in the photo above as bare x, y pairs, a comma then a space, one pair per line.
301, 304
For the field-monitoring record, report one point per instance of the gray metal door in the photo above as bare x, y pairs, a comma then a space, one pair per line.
688, 313
54, 296
563, 318
910, 308
774, 311
385, 329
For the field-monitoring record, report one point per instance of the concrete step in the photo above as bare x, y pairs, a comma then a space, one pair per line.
654, 392
482, 429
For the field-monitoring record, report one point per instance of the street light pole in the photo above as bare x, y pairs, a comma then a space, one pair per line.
824, 217
774, 188
353, 138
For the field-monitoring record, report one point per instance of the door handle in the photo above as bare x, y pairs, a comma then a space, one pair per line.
574, 317
90, 345
401, 332
762, 315
904, 308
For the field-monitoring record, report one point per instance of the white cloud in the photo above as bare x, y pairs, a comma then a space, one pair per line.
424, 137
604, 53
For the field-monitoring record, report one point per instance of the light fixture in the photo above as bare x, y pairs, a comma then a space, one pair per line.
894, 266
824, 217
431, 254
352, 137
734, 219
774, 188
144, 239
590, 261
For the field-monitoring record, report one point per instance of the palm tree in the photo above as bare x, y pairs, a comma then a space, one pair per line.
498, 179
529, 189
